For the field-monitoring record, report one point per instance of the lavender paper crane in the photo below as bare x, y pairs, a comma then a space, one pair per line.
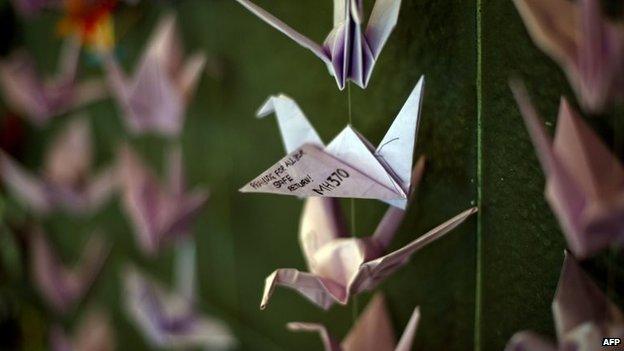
171, 320
349, 52
160, 213
154, 100
584, 180
342, 266
349, 166
588, 47
372, 332
66, 181
38, 98
60, 286
93, 333
583, 316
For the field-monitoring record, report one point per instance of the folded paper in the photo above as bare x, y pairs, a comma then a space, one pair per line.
349, 51
584, 180
66, 180
154, 100
93, 333
583, 316
372, 332
349, 166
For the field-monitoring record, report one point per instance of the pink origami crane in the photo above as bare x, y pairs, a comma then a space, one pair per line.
587, 46
39, 99
62, 287
160, 213
341, 266
584, 180
154, 100
372, 332
171, 320
93, 333
584, 316
66, 180
349, 166
349, 52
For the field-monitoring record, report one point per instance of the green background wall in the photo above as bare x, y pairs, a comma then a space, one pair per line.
492, 277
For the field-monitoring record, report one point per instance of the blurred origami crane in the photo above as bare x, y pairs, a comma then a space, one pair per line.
66, 181
583, 315
342, 266
349, 166
372, 332
154, 100
160, 213
62, 287
171, 320
587, 46
584, 180
349, 52
39, 99
93, 333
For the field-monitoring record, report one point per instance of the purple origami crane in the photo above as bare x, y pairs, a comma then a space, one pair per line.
349, 52
171, 320
39, 99
94, 333
159, 213
588, 47
341, 266
372, 332
584, 316
62, 287
584, 180
66, 180
349, 166
154, 100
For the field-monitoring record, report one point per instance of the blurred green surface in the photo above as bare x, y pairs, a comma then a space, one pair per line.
242, 238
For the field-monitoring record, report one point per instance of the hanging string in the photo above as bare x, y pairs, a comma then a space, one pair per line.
354, 308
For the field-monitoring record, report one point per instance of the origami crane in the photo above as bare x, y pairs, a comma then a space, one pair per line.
349, 166
65, 181
93, 333
349, 52
341, 266
171, 320
587, 46
62, 287
39, 99
154, 100
372, 332
584, 180
160, 213
583, 315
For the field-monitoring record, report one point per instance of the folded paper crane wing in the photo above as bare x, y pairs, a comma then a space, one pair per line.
60, 286
585, 181
94, 333
349, 166
588, 47
169, 320
160, 213
39, 99
154, 100
583, 315
372, 332
349, 51
66, 181
340, 266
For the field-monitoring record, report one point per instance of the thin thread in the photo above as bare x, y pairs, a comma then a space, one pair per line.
479, 243
354, 305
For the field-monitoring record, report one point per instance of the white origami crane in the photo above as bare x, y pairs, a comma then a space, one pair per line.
349, 52
341, 266
349, 166
372, 332
66, 181
154, 100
